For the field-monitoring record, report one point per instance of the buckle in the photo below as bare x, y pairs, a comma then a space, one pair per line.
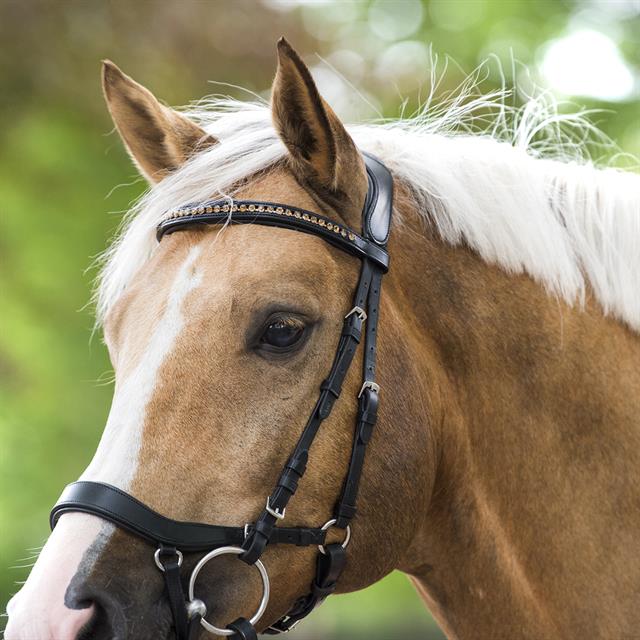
369, 384
326, 526
158, 553
359, 311
275, 630
274, 512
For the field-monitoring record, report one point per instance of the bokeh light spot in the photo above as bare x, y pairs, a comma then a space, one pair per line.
404, 63
394, 20
587, 63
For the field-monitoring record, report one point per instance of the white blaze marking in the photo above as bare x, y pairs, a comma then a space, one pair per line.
116, 459
37, 611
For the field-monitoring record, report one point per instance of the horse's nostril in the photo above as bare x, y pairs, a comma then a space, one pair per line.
106, 621
72, 623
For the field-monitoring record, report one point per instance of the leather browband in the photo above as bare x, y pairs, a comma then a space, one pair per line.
376, 220
274, 214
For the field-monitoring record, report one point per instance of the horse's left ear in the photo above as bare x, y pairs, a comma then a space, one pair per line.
322, 154
158, 139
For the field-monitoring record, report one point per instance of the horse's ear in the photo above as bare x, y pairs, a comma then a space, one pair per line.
158, 138
322, 154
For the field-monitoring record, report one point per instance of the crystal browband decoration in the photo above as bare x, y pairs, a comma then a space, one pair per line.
249, 207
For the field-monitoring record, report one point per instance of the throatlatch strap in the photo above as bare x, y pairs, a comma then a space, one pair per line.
329, 566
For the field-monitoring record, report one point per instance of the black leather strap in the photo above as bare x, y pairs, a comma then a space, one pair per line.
169, 559
286, 486
194, 627
244, 630
274, 214
119, 507
329, 567
345, 508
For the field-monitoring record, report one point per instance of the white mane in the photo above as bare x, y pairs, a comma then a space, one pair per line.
522, 193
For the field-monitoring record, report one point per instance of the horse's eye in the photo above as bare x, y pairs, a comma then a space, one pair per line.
283, 333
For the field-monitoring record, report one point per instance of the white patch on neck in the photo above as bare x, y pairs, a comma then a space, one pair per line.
116, 459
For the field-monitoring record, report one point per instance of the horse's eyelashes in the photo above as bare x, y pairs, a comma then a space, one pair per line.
283, 333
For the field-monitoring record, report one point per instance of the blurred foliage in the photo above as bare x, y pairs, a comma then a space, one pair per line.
58, 204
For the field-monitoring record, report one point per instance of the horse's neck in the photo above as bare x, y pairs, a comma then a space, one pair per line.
535, 506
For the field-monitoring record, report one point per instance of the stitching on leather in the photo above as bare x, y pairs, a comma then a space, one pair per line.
71, 505
357, 244
170, 521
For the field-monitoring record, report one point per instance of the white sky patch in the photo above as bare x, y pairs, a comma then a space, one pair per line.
116, 458
587, 63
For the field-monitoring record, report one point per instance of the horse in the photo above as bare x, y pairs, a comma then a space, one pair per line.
503, 473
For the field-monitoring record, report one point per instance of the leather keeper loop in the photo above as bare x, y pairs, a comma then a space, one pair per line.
352, 328
333, 385
344, 515
370, 416
243, 630
289, 481
325, 406
368, 406
298, 464
254, 547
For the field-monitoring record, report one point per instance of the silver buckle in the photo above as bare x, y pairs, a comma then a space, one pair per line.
275, 631
274, 512
359, 311
369, 384
326, 526
156, 557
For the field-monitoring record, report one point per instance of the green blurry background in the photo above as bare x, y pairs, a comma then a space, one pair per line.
65, 181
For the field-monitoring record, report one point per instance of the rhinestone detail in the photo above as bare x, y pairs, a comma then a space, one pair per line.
248, 207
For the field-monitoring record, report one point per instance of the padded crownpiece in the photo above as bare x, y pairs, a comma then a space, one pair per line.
376, 218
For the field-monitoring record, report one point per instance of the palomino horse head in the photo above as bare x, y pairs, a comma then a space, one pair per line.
503, 472
220, 344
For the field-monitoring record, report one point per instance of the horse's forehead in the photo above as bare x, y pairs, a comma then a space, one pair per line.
240, 265
277, 185
244, 263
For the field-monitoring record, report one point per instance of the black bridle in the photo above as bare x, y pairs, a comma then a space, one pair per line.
172, 537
